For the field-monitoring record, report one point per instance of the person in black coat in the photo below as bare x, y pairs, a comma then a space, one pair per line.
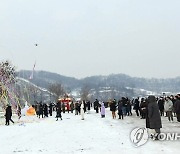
58, 111
85, 105
143, 108
177, 108
120, 112
8, 115
136, 106
41, 110
50, 109
79, 107
72, 106
124, 105
76, 108
88, 106
96, 106
161, 106
153, 119
45, 108
129, 107
63, 107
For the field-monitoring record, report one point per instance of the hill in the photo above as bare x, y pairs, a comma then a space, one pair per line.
114, 85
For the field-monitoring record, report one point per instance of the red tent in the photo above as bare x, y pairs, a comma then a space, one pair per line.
66, 102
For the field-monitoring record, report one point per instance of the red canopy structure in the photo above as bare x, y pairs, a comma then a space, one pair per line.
67, 101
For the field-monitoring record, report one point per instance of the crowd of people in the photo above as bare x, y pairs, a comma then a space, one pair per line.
150, 108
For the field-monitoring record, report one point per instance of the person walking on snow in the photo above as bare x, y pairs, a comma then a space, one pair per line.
96, 106
8, 115
153, 119
82, 111
58, 111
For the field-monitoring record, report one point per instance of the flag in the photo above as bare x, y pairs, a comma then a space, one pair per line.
32, 74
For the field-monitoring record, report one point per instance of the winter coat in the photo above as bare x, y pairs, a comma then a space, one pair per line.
153, 120
136, 104
45, 110
102, 109
143, 106
82, 111
161, 104
50, 107
40, 109
177, 106
120, 106
113, 106
124, 102
96, 104
58, 110
8, 113
76, 106
88, 105
168, 105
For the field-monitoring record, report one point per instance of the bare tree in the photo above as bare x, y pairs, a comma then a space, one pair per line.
33, 91
57, 89
85, 91
7, 79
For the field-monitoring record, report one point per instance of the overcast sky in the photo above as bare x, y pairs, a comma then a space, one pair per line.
81, 38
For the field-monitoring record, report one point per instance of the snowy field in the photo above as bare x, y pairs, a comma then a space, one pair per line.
72, 135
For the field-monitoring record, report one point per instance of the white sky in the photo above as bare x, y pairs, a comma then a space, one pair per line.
80, 38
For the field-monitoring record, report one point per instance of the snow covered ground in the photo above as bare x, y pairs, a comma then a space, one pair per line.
72, 135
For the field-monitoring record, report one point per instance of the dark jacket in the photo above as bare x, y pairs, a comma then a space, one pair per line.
120, 105
153, 120
177, 106
89, 105
161, 104
58, 109
113, 106
8, 113
96, 104
136, 104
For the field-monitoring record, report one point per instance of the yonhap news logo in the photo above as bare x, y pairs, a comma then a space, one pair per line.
140, 136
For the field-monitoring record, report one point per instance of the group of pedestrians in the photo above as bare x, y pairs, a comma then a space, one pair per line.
170, 107
80, 107
43, 110
150, 108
